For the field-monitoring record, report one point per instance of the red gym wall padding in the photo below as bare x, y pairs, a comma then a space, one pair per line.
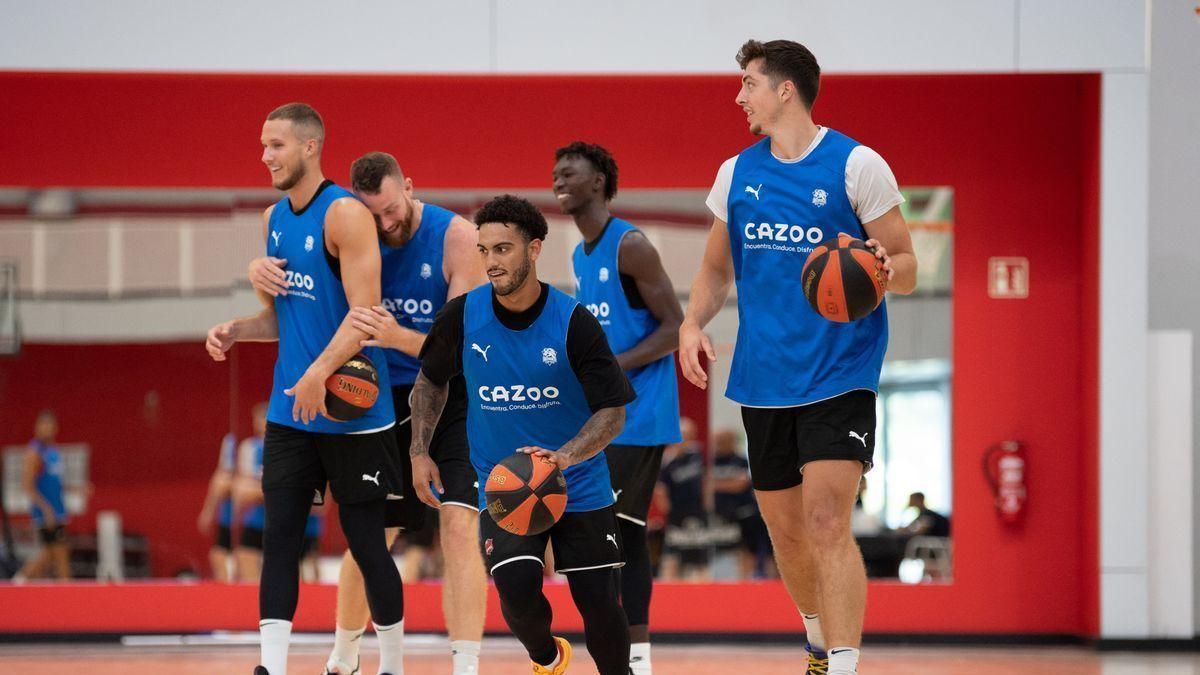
1021, 151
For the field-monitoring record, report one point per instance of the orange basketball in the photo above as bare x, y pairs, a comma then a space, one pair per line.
352, 389
843, 280
526, 494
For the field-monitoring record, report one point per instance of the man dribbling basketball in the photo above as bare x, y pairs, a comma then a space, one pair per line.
807, 385
328, 238
540, 379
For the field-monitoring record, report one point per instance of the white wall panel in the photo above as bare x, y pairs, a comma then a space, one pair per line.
567, 36
1123, 337
227, 35
1170, 459
1082, 35
703, 36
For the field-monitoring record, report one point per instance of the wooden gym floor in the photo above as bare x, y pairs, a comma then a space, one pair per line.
428, 656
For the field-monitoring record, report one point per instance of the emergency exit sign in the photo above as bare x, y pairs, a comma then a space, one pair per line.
1008, 278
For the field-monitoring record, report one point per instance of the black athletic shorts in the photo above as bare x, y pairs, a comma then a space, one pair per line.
53, 535
251, 537
584, 540
688, 538
780, 441
357, 467
224, 538
634, 470
448, 448
425, 536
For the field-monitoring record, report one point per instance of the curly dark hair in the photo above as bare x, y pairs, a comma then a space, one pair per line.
521, 213
599, 157
785, 60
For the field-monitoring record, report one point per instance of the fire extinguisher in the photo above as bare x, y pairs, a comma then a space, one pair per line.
1004, 466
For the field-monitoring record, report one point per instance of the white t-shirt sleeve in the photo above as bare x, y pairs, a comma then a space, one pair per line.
870, 184
718, 197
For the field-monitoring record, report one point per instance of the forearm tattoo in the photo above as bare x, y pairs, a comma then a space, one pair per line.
597, 432
428, 401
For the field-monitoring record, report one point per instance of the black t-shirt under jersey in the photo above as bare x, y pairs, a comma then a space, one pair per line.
604, 383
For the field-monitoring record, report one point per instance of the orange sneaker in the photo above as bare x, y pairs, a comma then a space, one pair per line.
564, 659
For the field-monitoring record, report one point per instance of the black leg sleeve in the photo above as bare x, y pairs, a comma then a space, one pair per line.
363, 525
596, 596
637, 577
525, 609
283, 538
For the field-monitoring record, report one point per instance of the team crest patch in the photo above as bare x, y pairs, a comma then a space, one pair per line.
820, 197
603, 274
426, 271
308, 243
549, 356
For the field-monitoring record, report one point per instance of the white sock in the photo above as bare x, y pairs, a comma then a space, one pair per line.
843, 661
274, 635
345, 649
812, 626
391, 648
639, 658
465, 656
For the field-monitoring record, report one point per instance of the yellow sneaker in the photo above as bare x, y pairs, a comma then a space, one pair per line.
564, 659
818, 662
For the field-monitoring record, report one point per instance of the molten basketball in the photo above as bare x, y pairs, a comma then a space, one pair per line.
352, 389
526, 494
843, 280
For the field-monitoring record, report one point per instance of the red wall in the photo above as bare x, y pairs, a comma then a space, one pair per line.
1020, 151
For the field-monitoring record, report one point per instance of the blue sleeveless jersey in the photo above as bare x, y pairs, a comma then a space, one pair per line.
255, 516
311, 313
414, 285
653, 417
521, 390
787, 354
228, 462
49, 483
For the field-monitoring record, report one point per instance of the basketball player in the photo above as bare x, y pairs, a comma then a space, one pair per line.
248, 499
429, 257
807, 385
217, 512
328, 238
42, 478
621, 280
510, 339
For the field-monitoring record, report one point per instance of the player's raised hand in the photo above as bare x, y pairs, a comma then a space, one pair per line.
885, 262
691, 341
310, 399
424, 472
220, 339
267, 275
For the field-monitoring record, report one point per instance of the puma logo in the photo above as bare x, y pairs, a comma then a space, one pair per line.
481, 350
612, 538
374, 479
754, 191
862, 439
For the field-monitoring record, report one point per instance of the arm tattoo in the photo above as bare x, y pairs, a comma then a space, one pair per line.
428, 400
600, 429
